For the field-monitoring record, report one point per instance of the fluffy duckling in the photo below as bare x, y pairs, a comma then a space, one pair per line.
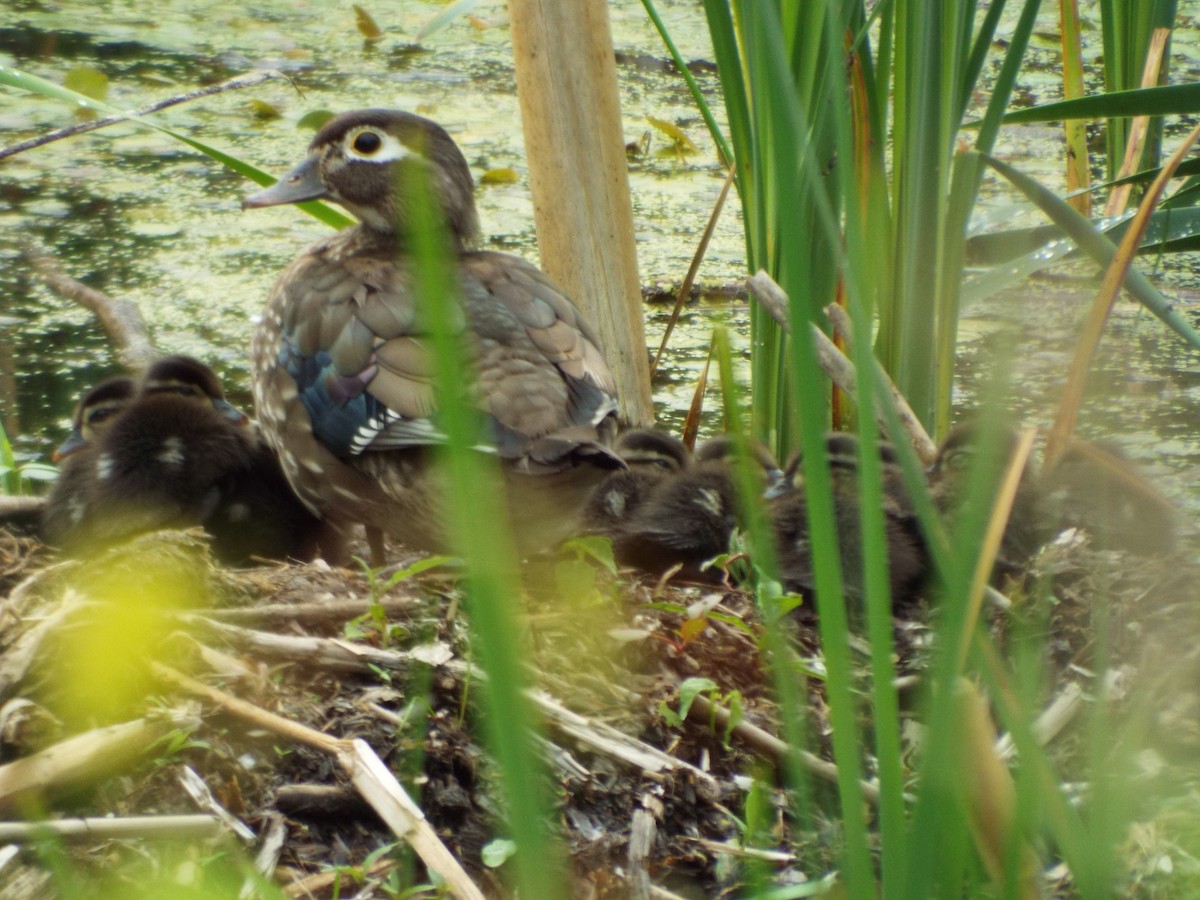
1027, 527
651, 456
908, 561
67, 504
178, 456
342, 365
689, 517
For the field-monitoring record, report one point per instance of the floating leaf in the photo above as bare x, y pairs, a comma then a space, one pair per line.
507, 175
87, 81
366, 24
263, 111
314, 119
92, 83
674, 132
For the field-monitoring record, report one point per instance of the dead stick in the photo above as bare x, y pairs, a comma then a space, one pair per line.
307, 613
330, 653
121, 319
163, 828
1135, 143
766, 744
836, 364
365, 770
78, 760
83, 127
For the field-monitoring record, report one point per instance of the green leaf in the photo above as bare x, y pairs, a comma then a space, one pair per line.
1097, 246
506, 175
314, 119
690, 690
669, 715
264, 111
423, 565
1167, 100
595, 547
496, 852
674, 132
733, 702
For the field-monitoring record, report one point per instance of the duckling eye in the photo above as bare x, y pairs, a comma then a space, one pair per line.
367, 143
99, 415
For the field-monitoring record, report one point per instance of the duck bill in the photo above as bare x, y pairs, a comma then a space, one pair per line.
300, 184
231, 412
75, 441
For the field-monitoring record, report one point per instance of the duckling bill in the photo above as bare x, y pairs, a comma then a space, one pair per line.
342, 366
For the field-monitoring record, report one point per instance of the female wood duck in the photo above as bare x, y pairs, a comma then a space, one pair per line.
178, 455
67, 504
689, 517
651, 456
342, 364
907, 558
1029, 521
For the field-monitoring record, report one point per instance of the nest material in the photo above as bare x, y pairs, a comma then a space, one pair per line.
647, 806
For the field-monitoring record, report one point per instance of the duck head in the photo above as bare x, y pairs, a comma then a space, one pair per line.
94, 413
191, 379
363, 160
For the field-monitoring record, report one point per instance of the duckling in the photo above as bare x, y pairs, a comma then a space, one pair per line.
186, 376
176, 456
651, 456
67, 504
689, 517
1098, 489
907, 557
1028, 521
342, 365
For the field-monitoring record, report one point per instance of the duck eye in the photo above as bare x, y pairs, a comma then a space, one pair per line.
367, 143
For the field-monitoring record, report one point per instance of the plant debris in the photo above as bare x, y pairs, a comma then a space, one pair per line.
650, 798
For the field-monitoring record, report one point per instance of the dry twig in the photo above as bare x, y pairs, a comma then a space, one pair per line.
836, 365
121, 319
83, 127
365, 770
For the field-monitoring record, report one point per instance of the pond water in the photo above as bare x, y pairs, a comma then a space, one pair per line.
140, 217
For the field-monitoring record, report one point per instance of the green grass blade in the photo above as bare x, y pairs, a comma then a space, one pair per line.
1166, 100
24, 81
475, 505
1099, 247
701, 104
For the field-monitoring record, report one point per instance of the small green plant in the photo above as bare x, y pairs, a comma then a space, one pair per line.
692, 688
578, 578
374, 623
18, 478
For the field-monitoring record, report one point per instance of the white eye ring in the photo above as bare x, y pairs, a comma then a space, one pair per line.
389, 150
